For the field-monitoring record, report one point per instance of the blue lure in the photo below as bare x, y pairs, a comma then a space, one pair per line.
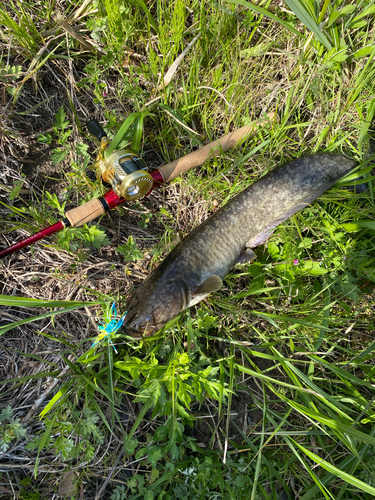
109, 330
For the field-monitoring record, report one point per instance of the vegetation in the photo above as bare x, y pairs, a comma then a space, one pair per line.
266, 389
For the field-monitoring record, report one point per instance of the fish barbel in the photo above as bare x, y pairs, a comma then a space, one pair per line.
196, 266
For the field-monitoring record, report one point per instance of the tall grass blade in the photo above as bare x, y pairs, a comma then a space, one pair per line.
60, 394
348, 463
110, 382
315, 478
259, 459
148, 14
231, 383
10, 301
44, 440
303, 15
366, 124
325, 320
273, 381
124, 127
334, 424
268, 14
6, 328
138, 132
176, 116
334, 470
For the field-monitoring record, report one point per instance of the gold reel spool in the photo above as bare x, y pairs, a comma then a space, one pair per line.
126, 173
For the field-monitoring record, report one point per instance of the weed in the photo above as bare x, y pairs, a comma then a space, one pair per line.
74, 436
130, 251
11, 428
61, 136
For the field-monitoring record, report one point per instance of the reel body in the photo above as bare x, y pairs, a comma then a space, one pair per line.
125, 171
127, 174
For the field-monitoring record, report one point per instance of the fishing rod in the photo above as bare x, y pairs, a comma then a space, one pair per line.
130, 178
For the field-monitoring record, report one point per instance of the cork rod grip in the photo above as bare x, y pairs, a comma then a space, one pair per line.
228, 141
84, 213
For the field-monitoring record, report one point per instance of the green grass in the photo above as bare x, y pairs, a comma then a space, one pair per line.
265, 389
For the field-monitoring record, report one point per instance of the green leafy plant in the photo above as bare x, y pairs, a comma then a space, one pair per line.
10, 428
61, 134
72, 437
130, 251
71, 239
119, 493
9, 71
16, 190
169, 389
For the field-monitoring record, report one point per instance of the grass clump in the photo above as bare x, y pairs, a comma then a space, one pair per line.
264, 390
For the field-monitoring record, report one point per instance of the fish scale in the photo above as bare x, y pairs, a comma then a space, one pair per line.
196, 266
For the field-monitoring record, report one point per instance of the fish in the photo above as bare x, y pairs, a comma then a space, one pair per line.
197, 266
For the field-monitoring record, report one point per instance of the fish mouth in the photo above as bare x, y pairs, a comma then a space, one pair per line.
146, 316
140, 331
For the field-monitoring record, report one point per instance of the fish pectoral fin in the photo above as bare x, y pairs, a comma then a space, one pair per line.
246, 256
209, 285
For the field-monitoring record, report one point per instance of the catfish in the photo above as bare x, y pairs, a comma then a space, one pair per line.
197, 266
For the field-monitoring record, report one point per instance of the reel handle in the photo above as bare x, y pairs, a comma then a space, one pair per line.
96, 129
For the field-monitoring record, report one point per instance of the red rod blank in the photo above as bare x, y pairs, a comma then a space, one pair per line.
33, 239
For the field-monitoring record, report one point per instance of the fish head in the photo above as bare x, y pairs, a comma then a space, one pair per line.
157, 301
151, 308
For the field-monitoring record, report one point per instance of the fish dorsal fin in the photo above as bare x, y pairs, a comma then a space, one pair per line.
209, 285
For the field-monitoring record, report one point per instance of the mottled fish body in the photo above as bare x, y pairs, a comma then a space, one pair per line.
196, 266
